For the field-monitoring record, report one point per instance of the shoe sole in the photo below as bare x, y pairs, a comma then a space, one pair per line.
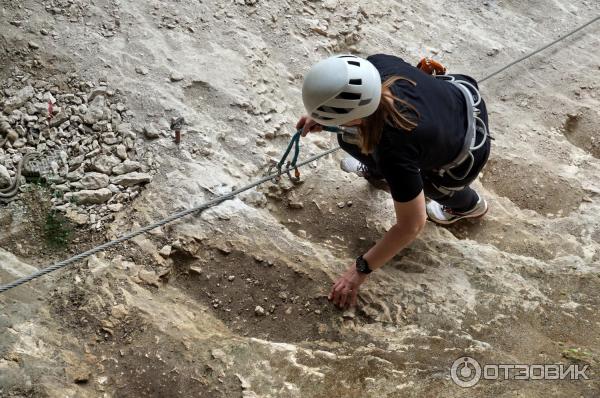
474, 217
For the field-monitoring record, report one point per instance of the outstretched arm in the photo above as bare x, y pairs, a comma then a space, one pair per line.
410, 220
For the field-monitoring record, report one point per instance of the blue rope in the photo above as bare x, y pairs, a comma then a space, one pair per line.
294, 142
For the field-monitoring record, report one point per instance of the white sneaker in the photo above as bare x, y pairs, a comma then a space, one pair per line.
444, 215
351, 165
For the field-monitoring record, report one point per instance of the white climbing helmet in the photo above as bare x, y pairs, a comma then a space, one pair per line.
340, 89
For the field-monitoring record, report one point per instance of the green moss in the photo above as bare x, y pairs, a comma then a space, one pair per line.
577, 355
39, 181
57, 230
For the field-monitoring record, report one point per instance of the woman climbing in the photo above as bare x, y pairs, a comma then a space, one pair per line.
426, 136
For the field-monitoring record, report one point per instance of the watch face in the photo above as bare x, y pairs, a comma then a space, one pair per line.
362, 265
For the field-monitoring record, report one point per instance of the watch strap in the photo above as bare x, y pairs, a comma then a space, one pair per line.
362, 265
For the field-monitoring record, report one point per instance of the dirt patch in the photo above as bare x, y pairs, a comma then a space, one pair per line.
582, 129
154, 366
259, 298
343, 218
128, 356
149, 370
26, 229
531, 187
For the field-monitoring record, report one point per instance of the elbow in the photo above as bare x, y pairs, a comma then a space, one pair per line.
419, 226
414, 227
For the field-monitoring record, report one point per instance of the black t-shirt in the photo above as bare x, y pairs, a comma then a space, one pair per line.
438, 137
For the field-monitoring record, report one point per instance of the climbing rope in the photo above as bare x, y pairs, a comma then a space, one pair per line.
157, 224
531, 54
291, 165
10, 192
294, 142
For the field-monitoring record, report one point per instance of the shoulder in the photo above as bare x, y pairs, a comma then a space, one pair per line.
384, 58
388, 64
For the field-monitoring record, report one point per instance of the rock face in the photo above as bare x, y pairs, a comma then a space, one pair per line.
90, 197
19, 99
232, 301
94, 181
151, 132
127, 166
83, 133
5, 179
105, 163
131, 179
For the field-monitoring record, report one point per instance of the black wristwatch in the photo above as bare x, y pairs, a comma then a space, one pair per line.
362, 265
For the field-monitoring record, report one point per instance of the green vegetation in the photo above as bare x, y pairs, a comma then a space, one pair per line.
39, 181
578, 355
57, 231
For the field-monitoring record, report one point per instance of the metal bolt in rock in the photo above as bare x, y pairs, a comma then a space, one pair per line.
176, 125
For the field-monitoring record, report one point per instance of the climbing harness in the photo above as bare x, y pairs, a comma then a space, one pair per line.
231, 195
474, 125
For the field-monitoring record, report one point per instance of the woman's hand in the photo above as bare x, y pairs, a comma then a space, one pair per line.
307, 124
344, 291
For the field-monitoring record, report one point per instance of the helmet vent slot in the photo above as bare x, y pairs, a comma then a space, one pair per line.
348, 96
355, 82
365, 102
317, 116
355, 63
333, 109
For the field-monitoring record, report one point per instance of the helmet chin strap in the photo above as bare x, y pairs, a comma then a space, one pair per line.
353, 123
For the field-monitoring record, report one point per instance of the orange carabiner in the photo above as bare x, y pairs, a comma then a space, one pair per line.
431, 67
